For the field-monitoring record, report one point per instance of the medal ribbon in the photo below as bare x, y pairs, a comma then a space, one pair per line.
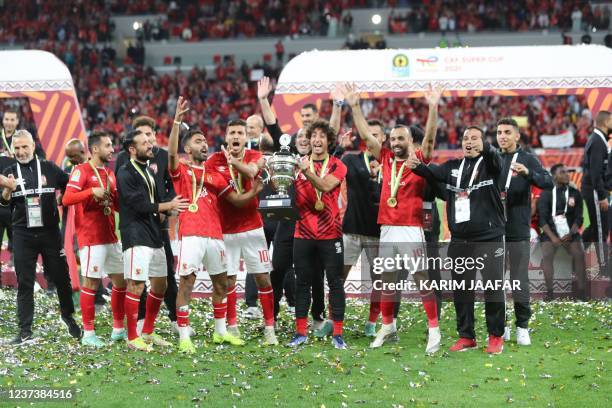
396, 178
237, 179
148, 180
107, 188
323, 168
196, 192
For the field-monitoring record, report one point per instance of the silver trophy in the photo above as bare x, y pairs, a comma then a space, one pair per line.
282, 168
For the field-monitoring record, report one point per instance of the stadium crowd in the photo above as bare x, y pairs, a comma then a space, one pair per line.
22, 22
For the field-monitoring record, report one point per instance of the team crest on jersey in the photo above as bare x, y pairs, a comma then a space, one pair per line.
571, 202
221, 169
138, 271
76, 175
153, 167
95, 268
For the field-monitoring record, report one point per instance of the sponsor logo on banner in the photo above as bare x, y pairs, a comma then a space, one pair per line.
401, 66
427, 64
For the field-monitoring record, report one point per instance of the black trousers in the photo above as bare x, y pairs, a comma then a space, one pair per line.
308, 255
171, 290
491, 254
591, 233
27, 246
283, 276
517, 253
5, 225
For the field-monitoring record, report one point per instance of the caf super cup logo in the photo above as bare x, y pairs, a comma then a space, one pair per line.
400, 66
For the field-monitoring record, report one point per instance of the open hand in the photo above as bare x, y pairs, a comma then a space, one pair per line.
182, 107
263, 88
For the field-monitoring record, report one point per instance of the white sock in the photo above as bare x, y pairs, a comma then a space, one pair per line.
88, 333
220, 326
184, 332
118, 330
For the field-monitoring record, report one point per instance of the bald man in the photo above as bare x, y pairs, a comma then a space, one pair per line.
29, 191
255, 127
75, 153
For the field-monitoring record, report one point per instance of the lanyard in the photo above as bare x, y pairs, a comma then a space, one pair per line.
196, 193
366, 159
8, 148
473, 173
554, 201
510, 171
22, 184
237, 179
150, 183
323, 168
107, 188
396, 178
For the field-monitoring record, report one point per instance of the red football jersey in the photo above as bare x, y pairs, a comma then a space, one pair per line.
92, 226
409, 209
326, 224
235, 220
206, 222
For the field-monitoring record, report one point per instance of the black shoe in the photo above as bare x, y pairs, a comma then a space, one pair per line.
73, 328
22, 338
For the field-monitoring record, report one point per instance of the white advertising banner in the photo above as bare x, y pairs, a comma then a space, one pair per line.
480, 68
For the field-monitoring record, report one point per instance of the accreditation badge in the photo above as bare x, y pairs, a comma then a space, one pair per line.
34, 212
462, 208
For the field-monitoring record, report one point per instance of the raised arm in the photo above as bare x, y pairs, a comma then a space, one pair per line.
432, 95
351, 96
263, 91
337, 97
492, 159
181, 109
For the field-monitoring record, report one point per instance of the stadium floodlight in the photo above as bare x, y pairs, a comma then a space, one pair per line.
137, 25
376, 19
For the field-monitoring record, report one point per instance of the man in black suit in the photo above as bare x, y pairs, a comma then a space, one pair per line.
594, 187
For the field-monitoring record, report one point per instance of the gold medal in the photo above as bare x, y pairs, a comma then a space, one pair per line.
193, 207
107, 211
392, 202
319, 206
196, 190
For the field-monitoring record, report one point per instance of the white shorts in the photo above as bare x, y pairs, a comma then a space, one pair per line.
196, 251
142, 262
100, 260
355, 244
403, 240
252, 247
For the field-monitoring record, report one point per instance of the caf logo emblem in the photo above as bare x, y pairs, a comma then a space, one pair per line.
400, 61
400, 66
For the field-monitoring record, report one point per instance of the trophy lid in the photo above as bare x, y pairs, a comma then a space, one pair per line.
285, 140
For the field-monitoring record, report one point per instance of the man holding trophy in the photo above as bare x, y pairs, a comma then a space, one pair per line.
318, 233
